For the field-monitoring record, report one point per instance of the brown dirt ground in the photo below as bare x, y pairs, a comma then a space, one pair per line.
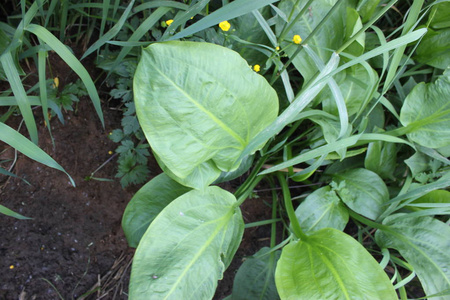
74, 243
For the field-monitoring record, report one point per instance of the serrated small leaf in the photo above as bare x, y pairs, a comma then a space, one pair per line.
116, 135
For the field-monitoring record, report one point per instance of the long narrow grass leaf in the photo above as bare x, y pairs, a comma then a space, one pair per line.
291, 112
111, 33
7, 173
182, 17
139, 33
266, 27
25, 146
335, 91
406, 39
73, 63
413, 14
19, 92
320, 151
42, 55
154, 4
6, 211
230, 11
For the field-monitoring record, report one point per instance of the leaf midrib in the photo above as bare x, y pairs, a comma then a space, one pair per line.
201, 250
221, 124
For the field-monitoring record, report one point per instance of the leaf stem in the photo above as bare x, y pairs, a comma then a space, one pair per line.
366, 221
297, 230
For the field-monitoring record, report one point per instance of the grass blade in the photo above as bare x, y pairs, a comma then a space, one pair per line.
290, 114
227, 12
20, 94
6, 211
111, 33
323, 150
404, 40
7, 173
140, 31
335, 91
73, 63
26, 147
42, 55
182, 18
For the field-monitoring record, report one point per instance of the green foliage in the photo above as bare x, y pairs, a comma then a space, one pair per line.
322, 209
147, 203
358, 110
426, 113
166, 267
230, 112
330, 265
424, 243
255, 279
364, 110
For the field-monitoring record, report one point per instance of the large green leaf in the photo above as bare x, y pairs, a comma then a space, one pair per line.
425, 243
147, 203
202, 174
187, 247
330, 265
322, 209
330, 36
426, 113
200, 103
434, 48
363, 191
255, 279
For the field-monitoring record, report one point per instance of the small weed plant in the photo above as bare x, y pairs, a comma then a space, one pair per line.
295, 91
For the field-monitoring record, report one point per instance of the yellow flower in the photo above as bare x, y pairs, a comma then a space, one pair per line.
55, 82
11, 267
110, 152
297, 39
168, 22
256, 68
225, 26
277, 48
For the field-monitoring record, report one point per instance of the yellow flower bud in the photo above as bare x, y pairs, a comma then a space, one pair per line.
225, 26
257, 68
297, 39
168, 22
56, 82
